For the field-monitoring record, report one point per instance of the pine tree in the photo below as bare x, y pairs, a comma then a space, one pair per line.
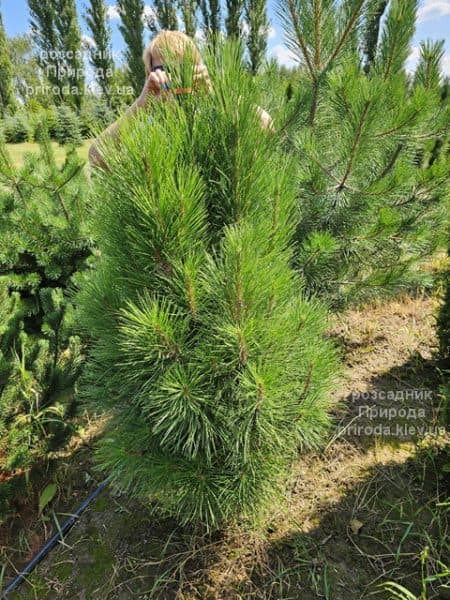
372, 201
233, 18
189, 16
256, 16
100, 56
132, 30
213, 366
44, 243
7, 100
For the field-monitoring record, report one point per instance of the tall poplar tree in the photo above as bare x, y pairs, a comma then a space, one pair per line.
101, 56
233, 17
45, 36
66, 22
256, 17
210, 10
166, 14
189, 10
374, 11
56, 32
132, 29
7, 100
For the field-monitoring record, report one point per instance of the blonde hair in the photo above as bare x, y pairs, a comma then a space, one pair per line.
176, 42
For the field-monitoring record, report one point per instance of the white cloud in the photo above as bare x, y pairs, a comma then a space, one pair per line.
272, 32
149, 17
411, 61
446, 64
149, 12
245, 28
283, 55
112, 12
432, 9
87, 41
200, 35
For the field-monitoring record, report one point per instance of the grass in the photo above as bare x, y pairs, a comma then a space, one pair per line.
17, 151
309, 547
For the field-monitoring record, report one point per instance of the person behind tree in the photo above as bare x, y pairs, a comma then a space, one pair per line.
157, 83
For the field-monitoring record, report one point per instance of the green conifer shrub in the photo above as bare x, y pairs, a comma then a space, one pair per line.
372, 182
95, 116
45, 120
214, 368
68, 129
44, 242
16, 128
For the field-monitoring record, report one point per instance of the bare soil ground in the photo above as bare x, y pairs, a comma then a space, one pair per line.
367, 509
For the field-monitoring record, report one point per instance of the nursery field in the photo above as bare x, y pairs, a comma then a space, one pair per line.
18, 151
225, 331
358, 514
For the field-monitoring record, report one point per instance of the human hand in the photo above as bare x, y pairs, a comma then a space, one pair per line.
156, 82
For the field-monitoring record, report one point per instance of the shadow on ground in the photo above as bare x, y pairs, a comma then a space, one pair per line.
357, 515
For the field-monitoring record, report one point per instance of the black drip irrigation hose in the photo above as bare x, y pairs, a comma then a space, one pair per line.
42, 553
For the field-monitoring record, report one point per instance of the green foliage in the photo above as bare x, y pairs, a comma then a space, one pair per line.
29, 81
94, 117
16, 128
122, 94
68, 130
233, 18
61, 123
44, 242
256, 18
373, 14
214, 367
69, 38
45, 36
370, 147
165, 15
7, 99
132, 30
211, 13
49, 118
100, 55
56, 33
189, 10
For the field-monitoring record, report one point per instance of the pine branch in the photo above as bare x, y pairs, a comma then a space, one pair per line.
300, 38
355, 144
348, 29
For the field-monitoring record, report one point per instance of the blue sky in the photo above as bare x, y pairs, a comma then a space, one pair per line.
433, 23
